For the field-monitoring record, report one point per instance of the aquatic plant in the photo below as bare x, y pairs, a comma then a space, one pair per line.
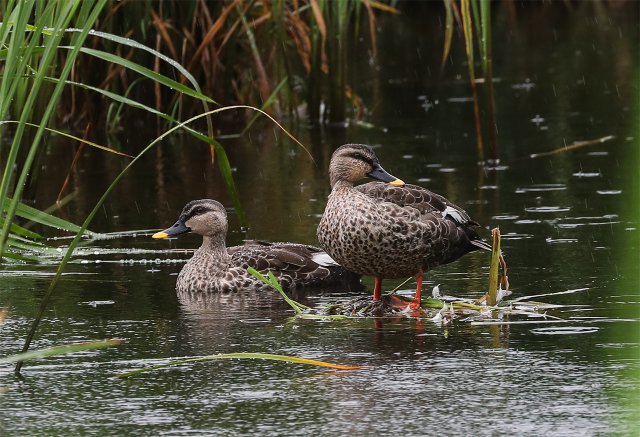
25, 48
241, 50
475, 18
243, 355
59, 350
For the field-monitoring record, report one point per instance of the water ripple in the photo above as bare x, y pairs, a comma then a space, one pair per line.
548, 209
541, 187
566, 330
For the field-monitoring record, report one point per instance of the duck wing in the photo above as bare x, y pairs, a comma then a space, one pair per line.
293, 264
419, 198
418, 203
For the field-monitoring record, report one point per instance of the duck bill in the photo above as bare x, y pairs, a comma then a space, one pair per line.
177, 229
381, 174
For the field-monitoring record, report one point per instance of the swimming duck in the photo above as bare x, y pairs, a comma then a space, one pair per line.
216, 268
389, 229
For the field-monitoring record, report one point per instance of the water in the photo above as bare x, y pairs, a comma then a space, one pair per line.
570, 222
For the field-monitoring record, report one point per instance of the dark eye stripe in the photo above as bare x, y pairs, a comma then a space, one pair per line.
361, 157
198, 210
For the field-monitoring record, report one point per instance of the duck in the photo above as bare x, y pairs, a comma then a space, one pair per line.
386, 228
214, 268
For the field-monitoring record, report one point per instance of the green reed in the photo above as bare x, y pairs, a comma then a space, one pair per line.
29, 52
239, 50
475, 20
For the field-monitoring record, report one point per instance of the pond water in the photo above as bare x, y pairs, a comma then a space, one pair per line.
569, 222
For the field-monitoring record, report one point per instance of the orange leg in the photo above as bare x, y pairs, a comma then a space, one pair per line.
417, 300
377, 288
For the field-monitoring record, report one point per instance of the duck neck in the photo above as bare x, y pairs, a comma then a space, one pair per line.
340, 184
215, 249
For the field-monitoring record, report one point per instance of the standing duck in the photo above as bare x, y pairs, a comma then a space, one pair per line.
389, 229
216, 268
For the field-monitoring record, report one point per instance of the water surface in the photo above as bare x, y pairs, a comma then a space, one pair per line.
569, 221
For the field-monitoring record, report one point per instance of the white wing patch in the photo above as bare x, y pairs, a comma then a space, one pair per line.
323, 259
453, 213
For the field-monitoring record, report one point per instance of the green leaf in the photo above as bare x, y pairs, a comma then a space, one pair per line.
59, 350
35, 215
24, 52
245, 355
136, 45
73, 137
157, 77
18, 257
272, 281
22, 232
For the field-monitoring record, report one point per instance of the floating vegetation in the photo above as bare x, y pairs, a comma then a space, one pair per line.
576, 145
243, 355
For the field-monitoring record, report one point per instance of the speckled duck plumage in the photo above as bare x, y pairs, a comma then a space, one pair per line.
388, 229
216, 268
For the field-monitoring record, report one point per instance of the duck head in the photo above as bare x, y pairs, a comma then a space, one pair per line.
353, 162
205, 217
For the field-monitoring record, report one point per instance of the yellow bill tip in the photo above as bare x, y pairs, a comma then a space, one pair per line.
397, 183
160, 235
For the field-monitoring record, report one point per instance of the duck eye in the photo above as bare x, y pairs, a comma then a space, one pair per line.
197, 211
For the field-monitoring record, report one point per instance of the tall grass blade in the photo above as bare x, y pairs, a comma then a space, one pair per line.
73, 137
317, 58
467, 27
24, 233
263, 80
336, 45
67, 11
127, 42
156, 77
448, 32
487, 67
267, 104
35, 215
